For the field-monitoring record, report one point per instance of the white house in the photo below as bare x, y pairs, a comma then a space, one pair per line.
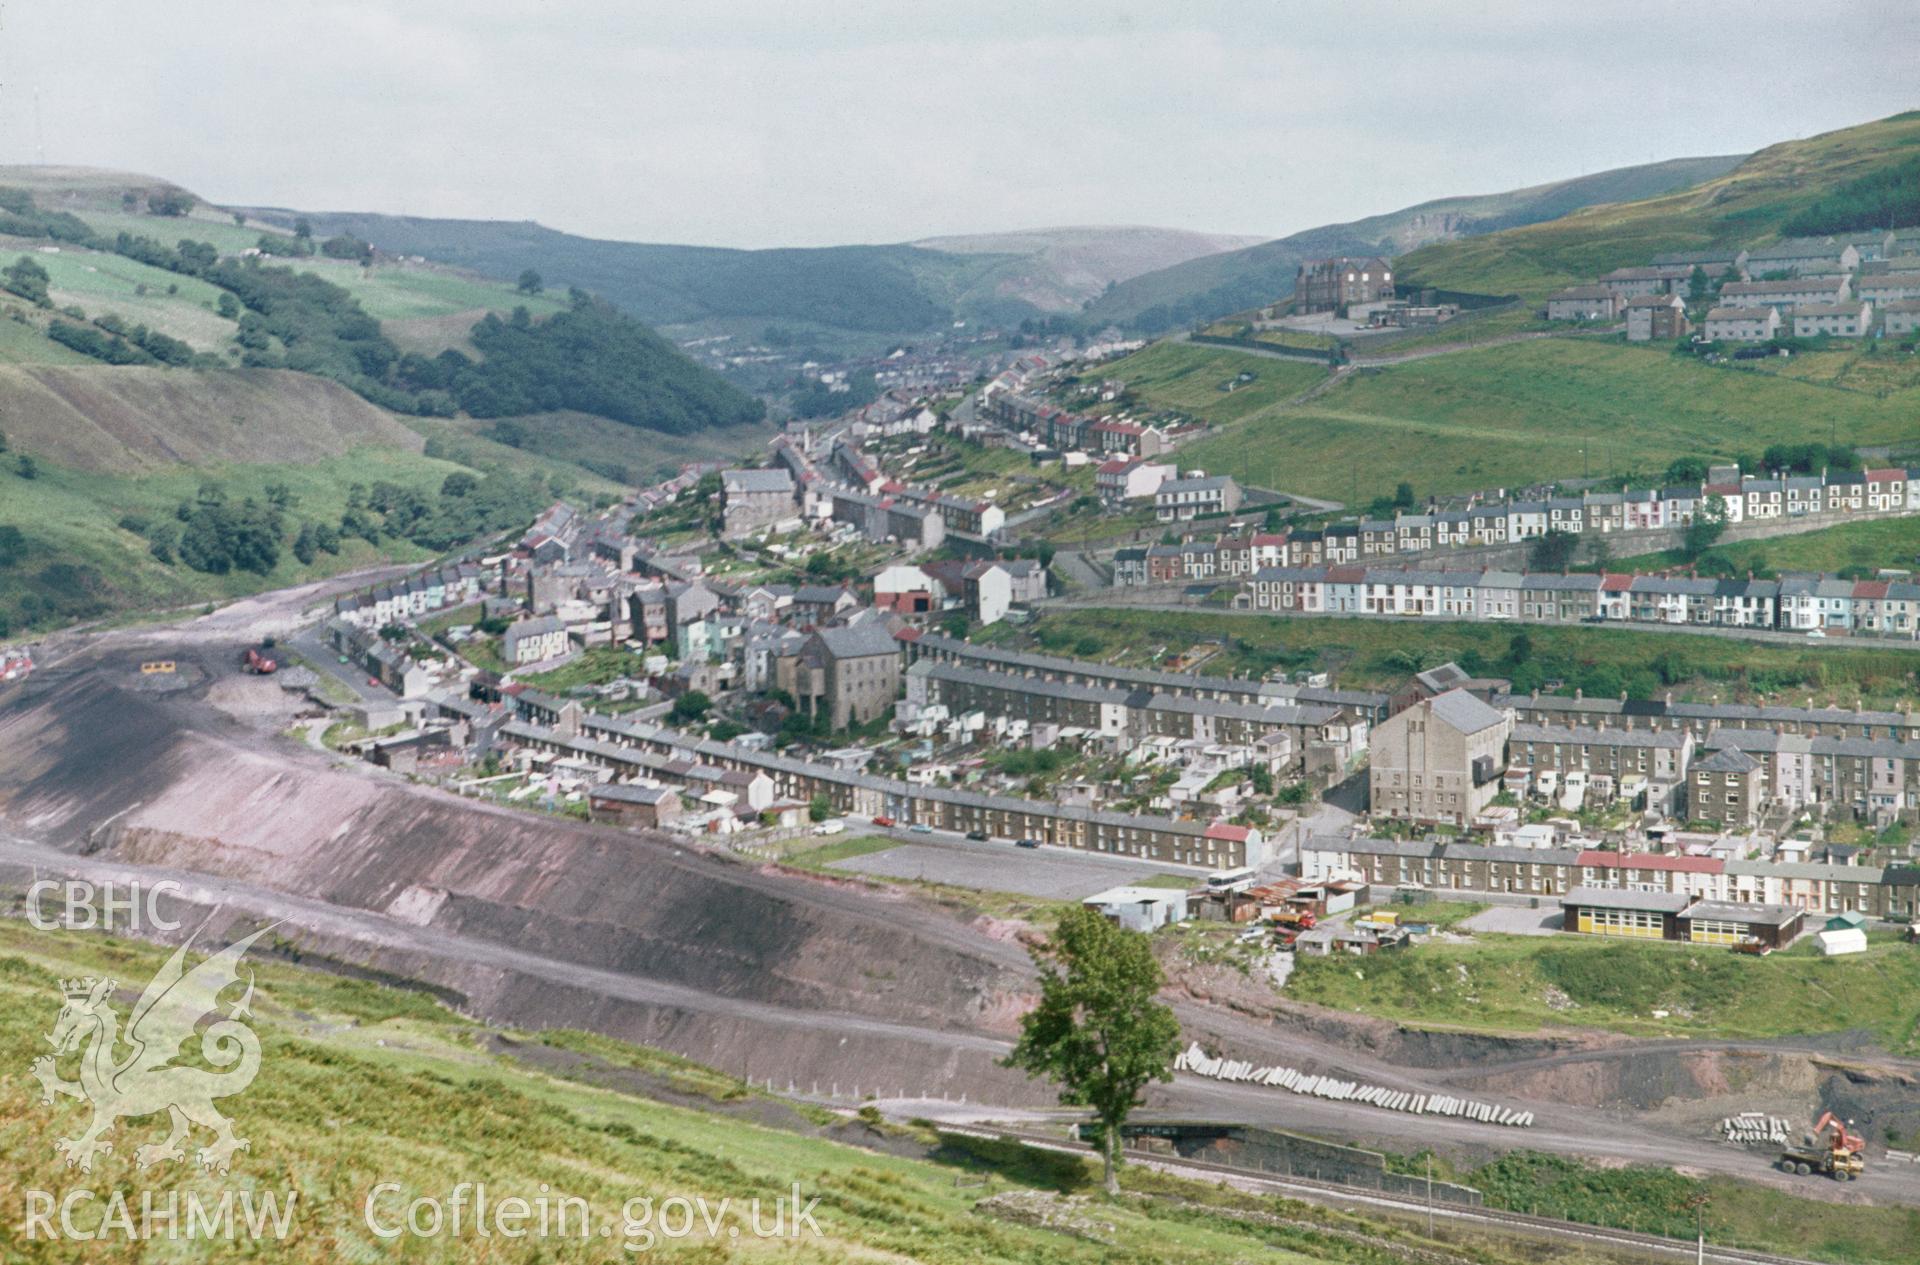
1742, 324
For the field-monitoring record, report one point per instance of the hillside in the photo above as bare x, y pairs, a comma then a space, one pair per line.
1517, 413
1236, 280
1746, 206
903, 288
1059, 269
130, 271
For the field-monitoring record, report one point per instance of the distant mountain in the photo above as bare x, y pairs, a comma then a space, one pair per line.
892, 289
1234, 281
1059, 269
1833, 182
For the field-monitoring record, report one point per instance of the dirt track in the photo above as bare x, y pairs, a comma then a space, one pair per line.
532, 921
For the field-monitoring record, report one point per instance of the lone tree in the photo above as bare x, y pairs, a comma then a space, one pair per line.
1098, 1031
530, 282
1703, 532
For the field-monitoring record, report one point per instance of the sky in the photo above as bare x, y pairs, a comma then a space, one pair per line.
794, 123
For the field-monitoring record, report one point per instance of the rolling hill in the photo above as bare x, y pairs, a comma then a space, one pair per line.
1216, 285
903, 288
1748, 205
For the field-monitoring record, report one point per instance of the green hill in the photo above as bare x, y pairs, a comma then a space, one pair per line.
362, 1085
1524, 412
1754, 203
1237, 280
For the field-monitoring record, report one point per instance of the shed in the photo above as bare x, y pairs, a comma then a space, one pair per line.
1852, 920
1835, 943
1141, 908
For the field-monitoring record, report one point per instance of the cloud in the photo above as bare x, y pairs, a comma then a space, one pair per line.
771, 122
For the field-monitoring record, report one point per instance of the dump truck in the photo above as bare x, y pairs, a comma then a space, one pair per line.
1299, 919
1841, 1156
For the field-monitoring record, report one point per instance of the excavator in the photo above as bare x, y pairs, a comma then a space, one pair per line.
1843, 1156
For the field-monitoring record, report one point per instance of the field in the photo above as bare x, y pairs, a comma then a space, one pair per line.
361, 1085
100, 283
624, 454
1891, 542
1517, 984
1187, 378
1381, 654
1526, 412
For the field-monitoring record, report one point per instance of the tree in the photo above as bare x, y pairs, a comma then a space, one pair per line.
303, 228
27, 279
27, 467
239, 220
1553, 551
690, 707
530, 282
1519, 648
819, 808
1698, 284
1687, 470
170, 202
457, 484
1706, 528
13, 545
1099, 1032
1403, 496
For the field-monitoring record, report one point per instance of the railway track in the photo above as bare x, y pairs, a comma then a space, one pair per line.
1349, 1197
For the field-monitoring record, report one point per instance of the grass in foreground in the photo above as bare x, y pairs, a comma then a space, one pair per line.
362, 1084
1380, 654
1522, 983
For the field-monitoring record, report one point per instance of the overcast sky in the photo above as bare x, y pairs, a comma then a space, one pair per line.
787, 122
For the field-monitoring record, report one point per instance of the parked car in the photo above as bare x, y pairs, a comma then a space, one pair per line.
883, 821
1027, 843
921, 828
830, 827
978, 836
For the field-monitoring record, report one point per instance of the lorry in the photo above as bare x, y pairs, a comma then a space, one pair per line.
1841, 1157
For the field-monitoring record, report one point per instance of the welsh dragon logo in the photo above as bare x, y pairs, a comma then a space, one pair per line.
144, 1082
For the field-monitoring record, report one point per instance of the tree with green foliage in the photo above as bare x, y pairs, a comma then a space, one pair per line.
13, 545
690, 707
530, 282
26, 467
303, 228
1100, 1031
1553, 551
1686, 471
1705, 529
819, 808
1403, 496
26, 278
170, 202
1699, 285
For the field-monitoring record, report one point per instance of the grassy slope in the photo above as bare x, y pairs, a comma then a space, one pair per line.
1501, 983
1375, 654
100, 283
1521, 412
362, 1084
1272, 264
1888, 543
1743, 207
1187, 377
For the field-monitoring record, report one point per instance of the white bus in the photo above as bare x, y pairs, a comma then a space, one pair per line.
1232, 880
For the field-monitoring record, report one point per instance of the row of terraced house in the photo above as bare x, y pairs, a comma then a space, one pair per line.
1793, 603
1834, 495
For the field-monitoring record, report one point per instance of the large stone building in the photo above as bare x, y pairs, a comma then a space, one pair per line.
1439, 760
755, 498
1334, 285
850, 674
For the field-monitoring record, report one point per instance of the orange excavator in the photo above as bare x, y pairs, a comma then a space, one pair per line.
1841, 1156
